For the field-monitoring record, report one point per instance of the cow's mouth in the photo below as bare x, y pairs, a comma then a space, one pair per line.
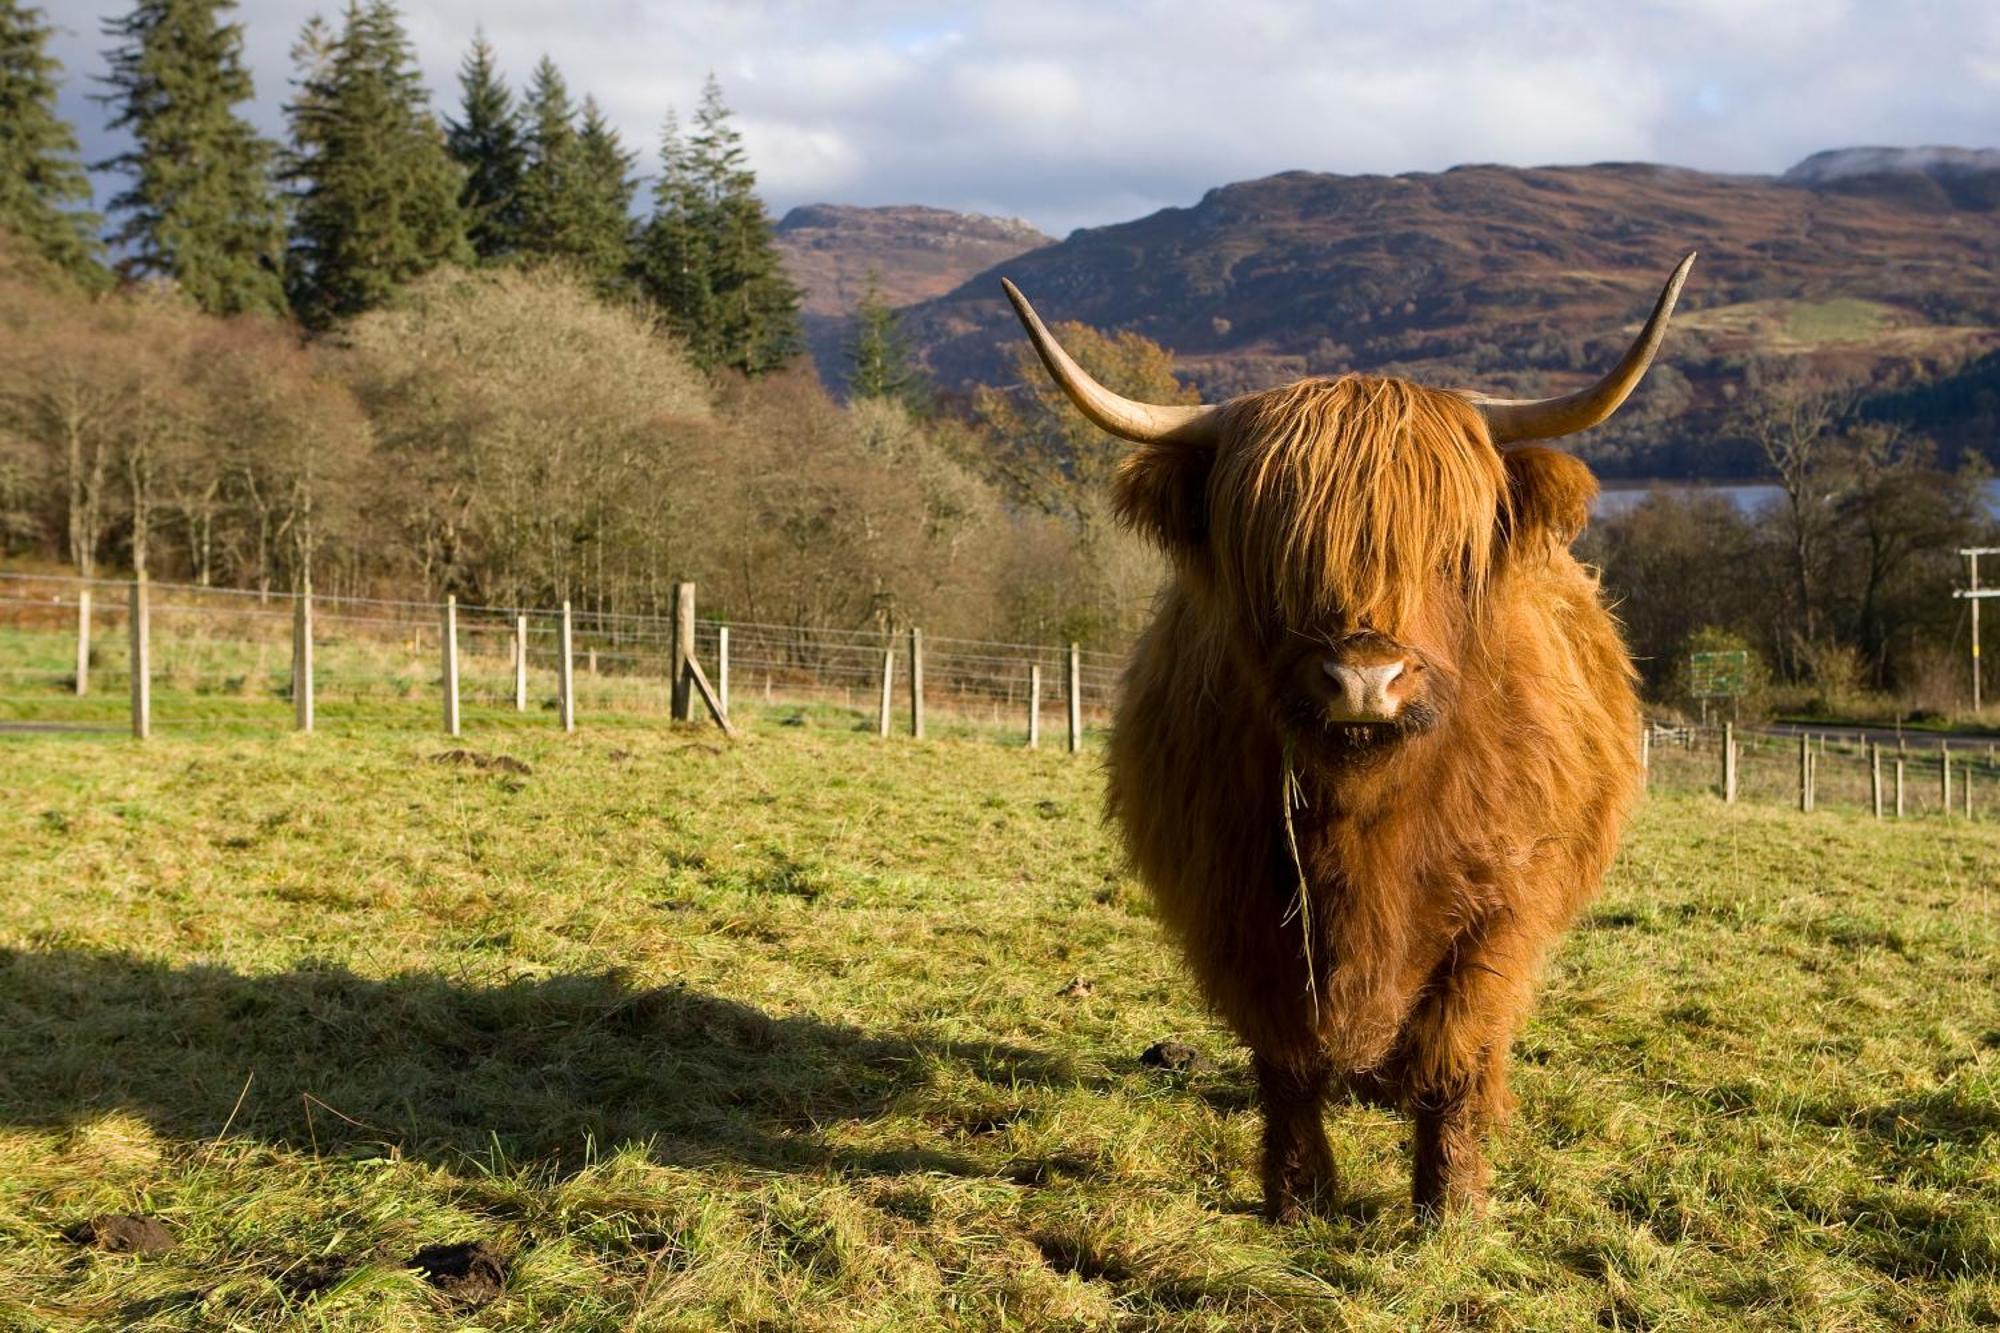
1413, 719
1335, 738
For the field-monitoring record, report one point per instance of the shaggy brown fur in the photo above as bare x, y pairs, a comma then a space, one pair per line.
1438, 857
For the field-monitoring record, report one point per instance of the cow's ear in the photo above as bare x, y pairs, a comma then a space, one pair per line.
1549, 495
1161, 492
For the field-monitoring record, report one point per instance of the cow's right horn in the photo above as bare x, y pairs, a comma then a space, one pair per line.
1142, 423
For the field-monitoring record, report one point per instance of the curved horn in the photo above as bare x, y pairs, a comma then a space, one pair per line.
1142, 423
1511, 420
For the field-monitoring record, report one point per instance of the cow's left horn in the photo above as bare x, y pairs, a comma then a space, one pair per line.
1511, 420
1142, 423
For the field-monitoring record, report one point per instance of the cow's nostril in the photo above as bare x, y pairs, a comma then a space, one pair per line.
1364, 690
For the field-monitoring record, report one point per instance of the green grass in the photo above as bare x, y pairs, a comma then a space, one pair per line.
768, 1035
1843, 319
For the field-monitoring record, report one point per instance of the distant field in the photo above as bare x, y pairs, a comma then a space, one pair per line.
771, 1035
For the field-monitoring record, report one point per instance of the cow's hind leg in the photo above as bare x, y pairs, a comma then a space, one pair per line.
1298, 1165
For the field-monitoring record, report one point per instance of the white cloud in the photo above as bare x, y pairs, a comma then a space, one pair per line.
1084, 113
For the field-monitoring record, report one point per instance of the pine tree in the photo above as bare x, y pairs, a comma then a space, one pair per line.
548, 176
603, 202
200, 209
40, 178
707, 256
487, 146
878, 353
377, 194
756, 301
670, 260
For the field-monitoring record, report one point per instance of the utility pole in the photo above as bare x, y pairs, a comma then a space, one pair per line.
1973, 593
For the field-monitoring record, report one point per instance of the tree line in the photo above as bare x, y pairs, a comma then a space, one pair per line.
1838, 587
507, 435
371, 191
401, 349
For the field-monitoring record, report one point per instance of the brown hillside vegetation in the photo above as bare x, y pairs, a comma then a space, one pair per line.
911, 253
915, 252
1521, 281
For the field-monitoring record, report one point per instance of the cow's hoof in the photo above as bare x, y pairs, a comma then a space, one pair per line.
1316, 1198
1455, 1205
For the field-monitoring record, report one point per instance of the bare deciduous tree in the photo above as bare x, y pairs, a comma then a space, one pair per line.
1791, 415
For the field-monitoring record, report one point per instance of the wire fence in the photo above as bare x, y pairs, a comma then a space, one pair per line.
1905, 776
221, 654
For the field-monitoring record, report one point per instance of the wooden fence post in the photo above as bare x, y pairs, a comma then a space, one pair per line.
683, 691
520, 663
142, 662
1035, 707
1944, 778
916, 683
1075, 699
590, 660
888, 690
566, 669
302, 659
1899, 787
1645, 755
83, 643
1965, 781
722, 667
450, 647
1875, 776
1729, 763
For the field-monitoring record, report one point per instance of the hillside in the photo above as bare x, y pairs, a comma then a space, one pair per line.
913, 253
1876, 264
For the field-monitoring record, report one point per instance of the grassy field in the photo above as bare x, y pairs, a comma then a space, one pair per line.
782, 1034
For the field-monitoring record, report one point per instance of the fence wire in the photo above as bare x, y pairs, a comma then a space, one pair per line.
1830, 770
226, 654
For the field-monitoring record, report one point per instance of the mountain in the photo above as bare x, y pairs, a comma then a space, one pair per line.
912, 252
1881, 266
917, 252
1940, 178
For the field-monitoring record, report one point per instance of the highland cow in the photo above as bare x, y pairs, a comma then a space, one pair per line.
1375, 749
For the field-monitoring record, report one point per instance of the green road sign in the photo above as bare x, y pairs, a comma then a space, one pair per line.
1718, 675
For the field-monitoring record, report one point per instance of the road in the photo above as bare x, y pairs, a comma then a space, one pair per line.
1915, 738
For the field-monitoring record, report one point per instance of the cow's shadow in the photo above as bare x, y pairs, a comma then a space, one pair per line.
548, 1069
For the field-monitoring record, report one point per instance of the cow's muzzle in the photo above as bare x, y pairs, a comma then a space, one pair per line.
1365, 693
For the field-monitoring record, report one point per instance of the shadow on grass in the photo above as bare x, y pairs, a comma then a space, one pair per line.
535, 1069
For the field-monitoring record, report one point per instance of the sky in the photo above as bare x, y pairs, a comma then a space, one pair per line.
1087, 113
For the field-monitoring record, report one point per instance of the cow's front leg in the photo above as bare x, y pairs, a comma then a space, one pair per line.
1298, 1165
1455, 1063
1451, 1172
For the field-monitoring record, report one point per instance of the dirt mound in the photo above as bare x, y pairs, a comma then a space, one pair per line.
124, 1233
488, 763
1174, 1055
471, 1272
